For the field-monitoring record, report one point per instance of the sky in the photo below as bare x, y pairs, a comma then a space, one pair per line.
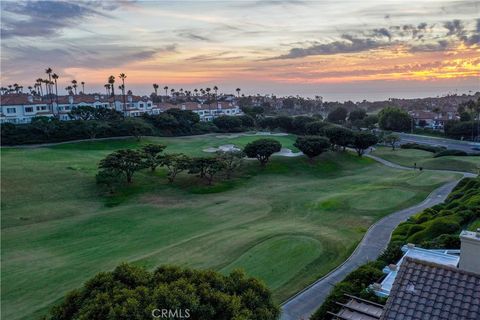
339, 50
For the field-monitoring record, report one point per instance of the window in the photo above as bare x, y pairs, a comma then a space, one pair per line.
28, 109
43, 107
11, 110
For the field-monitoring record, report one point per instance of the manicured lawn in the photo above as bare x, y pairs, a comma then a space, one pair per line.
407, 157
287, 224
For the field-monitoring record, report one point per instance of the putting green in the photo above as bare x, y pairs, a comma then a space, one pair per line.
288, 224
276, 260
408, 157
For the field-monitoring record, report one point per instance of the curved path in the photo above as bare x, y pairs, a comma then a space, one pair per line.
303, 304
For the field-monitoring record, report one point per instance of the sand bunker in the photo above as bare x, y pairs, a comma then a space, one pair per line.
284, 152
224, 148
261, 133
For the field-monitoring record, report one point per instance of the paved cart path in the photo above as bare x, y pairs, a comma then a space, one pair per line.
303, 304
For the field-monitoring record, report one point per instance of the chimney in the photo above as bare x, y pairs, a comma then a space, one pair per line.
30, 98
70, 99
470, 251
184, 107
97, 97
130, 99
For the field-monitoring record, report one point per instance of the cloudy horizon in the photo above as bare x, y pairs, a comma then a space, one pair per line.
340, 50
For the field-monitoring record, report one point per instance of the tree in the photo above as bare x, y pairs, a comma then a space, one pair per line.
125, 162
122, 76
83, 86
317, 128
155, 88
247, 121
151, 154
111, 83
228, 123
206, 167
136, 127
262, 149
362, 141
300, 123
238, 91
339, 136
312, 146
95, 127
465, 116
357, 114
82, 113
45, 125
422, 123
132, 292
370, 121
55, 78
392, 139
175, 163
109, 179
394, 119
232, 160
337, 115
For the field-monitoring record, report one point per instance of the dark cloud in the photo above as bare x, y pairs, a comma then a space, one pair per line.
42, 18
441, 45
349, 44
91, 56
455, 28
382, 32
193, 36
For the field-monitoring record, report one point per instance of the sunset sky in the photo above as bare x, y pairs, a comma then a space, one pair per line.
336, 49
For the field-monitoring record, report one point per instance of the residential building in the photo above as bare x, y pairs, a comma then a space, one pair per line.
21, 108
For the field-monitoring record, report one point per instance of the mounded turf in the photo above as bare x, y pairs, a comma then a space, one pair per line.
408, 157
287, 224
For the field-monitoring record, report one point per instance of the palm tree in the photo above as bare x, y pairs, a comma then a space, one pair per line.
111, 81
155, 87
208, 92
215, 88
123, 76
107, 88
172, 91
39, 83
196, 91
74, 85
83, 87
166, 90
69, 90
238, 92
55, 77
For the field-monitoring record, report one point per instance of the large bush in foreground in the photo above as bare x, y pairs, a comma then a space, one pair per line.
131, 292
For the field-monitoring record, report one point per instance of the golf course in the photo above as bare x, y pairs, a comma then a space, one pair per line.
425, 159
287, 224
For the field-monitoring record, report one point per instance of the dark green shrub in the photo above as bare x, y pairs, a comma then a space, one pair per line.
445, 153
423, 147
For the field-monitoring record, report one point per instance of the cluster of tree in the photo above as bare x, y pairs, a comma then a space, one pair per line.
462, 129
435, 228
46, 129
89, 123
121, 165
234, 123
324, 137
394, 119
131, 292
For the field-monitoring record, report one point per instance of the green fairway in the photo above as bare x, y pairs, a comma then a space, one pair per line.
407, 157
287, 224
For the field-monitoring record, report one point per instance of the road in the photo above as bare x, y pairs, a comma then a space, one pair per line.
443, 142
304, 304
